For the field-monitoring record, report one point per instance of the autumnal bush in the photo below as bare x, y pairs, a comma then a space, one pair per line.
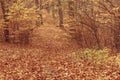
24, 16
1, 22
22, 20
97, 56
98, 64
117, 60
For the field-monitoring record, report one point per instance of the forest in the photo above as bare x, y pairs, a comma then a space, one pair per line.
59, 39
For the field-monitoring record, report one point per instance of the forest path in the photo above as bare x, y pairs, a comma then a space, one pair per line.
35, 63
48, 41
50, 37
51, 53
49, 57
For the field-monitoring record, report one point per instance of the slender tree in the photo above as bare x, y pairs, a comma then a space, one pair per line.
38, 3
60, 13
4, 11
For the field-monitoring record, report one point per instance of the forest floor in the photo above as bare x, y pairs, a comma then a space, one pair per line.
50, 60
35, 64
51, 57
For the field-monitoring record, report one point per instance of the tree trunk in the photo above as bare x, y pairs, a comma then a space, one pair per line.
53, 10
6, 30
60, 13
117, 38
97, 39
71, 9
39, 6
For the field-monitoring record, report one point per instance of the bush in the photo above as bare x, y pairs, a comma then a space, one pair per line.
96, 56
99, 64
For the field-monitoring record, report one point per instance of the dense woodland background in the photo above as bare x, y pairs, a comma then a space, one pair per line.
59, 39
92, 23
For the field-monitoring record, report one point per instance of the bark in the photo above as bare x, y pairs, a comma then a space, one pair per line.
6, 31
71, 9
53, 10
60, 13
117, 37
39, 6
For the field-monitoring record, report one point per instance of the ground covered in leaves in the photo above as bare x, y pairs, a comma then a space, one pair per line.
55, 57
35, 64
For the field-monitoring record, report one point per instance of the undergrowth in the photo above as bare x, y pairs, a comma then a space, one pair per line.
99, 64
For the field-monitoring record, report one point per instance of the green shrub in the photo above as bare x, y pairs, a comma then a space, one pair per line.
96, 56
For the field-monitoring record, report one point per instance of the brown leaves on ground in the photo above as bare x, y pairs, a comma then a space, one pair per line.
31, 64
53, 58
35, 64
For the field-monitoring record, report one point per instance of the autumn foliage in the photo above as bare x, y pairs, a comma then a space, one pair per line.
59, 40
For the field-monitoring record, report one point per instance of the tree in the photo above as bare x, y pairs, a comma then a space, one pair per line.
60, 13
5, 20
38, 3
20, 16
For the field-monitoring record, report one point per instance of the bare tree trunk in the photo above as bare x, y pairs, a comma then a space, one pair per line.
41, 17
6, 31
53, 10
117, 38
60, 13
39, 6
71, 9
97, 38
